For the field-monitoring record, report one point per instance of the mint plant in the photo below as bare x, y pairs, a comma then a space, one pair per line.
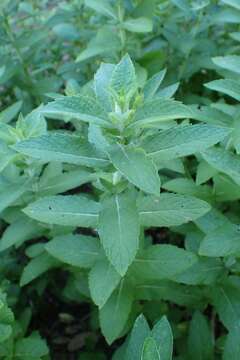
126, 136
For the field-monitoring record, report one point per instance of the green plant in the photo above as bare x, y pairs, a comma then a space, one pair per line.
116, 199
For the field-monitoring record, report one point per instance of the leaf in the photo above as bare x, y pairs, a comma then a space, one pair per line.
36, 267
70, 210
31, 347
156, 110
119, 230
76, 250
81, 108
200, 343
101, 85
225, 298
114, 314
137, 337
123, 80
224, 161
33, 124
232, 346
230, 62
225, 86
103, 279
136, 167
233, 3
5, 332
102, 7
10, 112
223, 241
182, 141
150, 350
162, 262
170, 209
12, 192
20, 231
162, 334
63, 148
153, 84
139, 25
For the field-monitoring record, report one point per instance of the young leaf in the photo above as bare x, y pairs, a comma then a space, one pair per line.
183, 140
36, 267
232, 346
200, 342
119, 230
114, 314
230, 62
136, 167
103, 279
223, 241
71, 210
139, 333
170, 209
225, 86
163, 336
123, 80
162, 262
153, 111
153, 84
150, 350
224, 161
63, 148
81, 108
75, 250
102, 7
139, 25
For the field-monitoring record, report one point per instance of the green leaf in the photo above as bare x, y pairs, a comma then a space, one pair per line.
119, 230
10, 112
162, 262
71, 210
114, 314
230, 62
101, 85
123, 80
33, 124
36, 267
162, 334
223, 241
232, 346
31, 347
158, 110
75, 250
20, 231
63, 148
139, 25
225, 86
136, 167
81, 108
153, 84
5, 332
233, 3
11, 192
103, 279
150, 350
200, 342
224, 161
138, 335
182, 141
225, 298
102, 7
170, 209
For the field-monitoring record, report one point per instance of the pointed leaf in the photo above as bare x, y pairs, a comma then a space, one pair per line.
136, 167
123, 80
150, 350
71, 210
119, 230
226, 86
162, 334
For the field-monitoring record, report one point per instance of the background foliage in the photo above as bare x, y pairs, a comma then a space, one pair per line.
63, 293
